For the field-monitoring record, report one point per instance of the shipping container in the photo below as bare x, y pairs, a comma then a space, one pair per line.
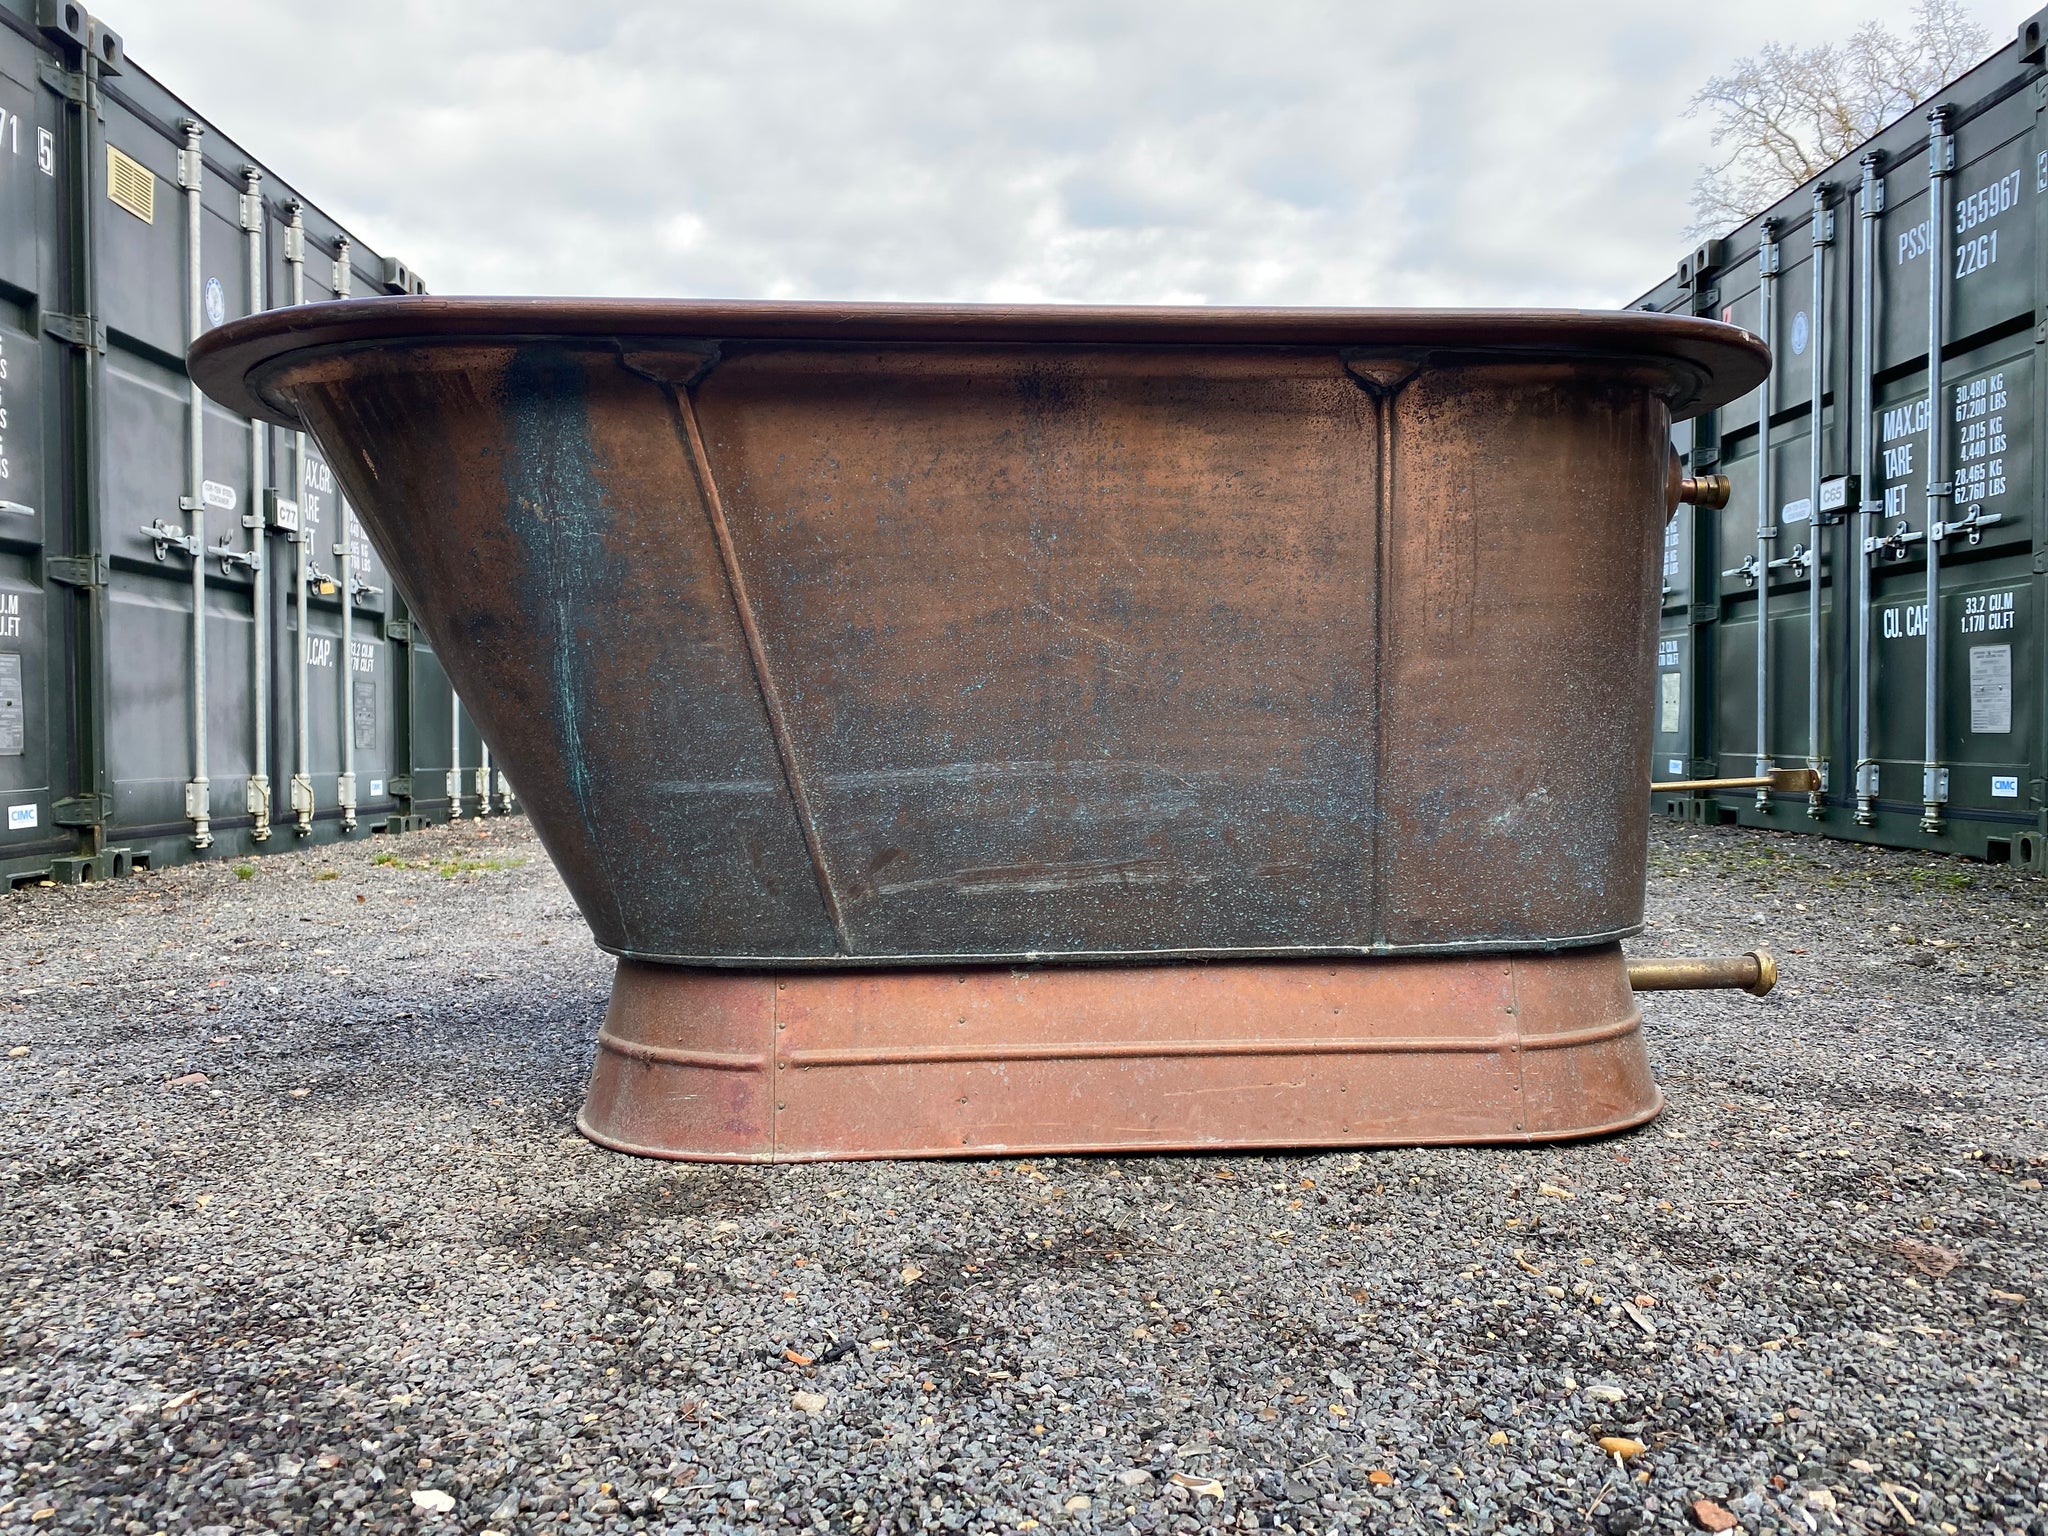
1870, 603
201, 656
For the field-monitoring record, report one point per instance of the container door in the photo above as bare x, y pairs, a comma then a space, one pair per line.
34, 739
1989, 734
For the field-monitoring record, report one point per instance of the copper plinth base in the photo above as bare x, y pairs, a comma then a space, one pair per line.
757, 1066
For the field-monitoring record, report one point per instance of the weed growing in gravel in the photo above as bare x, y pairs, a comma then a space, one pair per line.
328, 874
245, 871
447, 869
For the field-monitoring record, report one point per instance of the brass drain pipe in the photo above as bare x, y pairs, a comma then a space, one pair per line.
1755, 973
1783, 781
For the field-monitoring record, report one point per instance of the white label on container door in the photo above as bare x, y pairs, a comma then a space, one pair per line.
1991, 690
376, 789
1669, 686
1677, 766
13, 726
1800, 511
2005, 786
214, 494
365, 701
20, 817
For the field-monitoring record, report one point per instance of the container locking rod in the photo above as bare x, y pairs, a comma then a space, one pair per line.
1755, 973
1779, 781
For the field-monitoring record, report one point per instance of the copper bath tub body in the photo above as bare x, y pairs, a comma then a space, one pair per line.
983, 729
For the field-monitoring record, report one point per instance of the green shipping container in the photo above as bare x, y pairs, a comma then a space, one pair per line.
1871, 601
171, 685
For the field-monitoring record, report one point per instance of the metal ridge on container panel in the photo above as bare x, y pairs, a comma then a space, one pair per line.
908, 694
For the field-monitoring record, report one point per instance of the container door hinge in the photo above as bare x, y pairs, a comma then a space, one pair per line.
398, 629
82, 811
1706, 613
77, 330
85, 571
399, 786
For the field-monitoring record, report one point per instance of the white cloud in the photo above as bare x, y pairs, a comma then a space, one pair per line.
1079, 150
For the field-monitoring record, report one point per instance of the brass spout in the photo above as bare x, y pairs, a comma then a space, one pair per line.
1755, 973
1779, 781
1709, 491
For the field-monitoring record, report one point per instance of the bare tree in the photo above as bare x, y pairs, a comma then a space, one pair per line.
1784, 115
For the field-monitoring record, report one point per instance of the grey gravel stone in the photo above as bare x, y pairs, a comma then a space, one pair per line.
297, 1224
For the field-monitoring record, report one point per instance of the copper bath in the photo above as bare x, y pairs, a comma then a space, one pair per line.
979, 730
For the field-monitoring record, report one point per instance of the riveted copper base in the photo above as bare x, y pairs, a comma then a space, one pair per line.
764, 1067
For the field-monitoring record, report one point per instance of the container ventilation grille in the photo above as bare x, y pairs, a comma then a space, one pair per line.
131, 185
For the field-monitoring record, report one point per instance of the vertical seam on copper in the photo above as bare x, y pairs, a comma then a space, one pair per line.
775, 1067
1383, 517
1515, 1042
771, 700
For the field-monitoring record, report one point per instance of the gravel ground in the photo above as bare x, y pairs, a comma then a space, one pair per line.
298, 1236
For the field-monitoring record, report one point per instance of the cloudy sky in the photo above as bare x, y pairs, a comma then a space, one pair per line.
1255, 151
